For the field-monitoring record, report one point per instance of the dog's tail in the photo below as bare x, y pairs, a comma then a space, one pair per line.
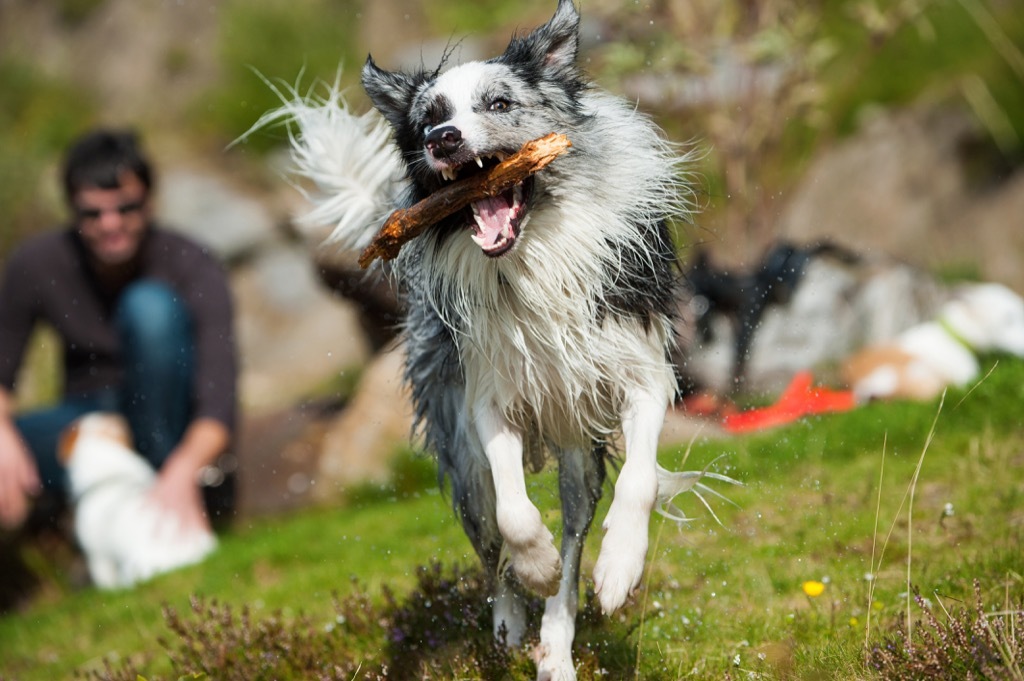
351, 161
671, 484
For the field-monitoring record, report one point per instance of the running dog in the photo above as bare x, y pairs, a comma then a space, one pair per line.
538, 322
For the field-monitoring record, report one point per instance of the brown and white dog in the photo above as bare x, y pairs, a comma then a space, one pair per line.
125, 538
923, 360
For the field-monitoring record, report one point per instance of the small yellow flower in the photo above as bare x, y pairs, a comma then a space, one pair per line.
854, 622
813, 588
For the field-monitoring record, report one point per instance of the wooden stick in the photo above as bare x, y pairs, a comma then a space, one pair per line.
408, 223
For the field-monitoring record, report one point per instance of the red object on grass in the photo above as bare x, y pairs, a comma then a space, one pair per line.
799, 399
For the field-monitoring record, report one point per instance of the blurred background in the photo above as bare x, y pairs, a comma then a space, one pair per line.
892, 127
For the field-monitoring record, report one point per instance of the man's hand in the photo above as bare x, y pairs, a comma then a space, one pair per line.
19, 477
177, 485
177, 493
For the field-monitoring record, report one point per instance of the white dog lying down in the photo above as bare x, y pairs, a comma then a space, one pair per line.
925, 359
125, 538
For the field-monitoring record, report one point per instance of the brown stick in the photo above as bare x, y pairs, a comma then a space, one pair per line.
408, 223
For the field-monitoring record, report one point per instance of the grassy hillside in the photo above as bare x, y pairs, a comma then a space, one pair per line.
829, 503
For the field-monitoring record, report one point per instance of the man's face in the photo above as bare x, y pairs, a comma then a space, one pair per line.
112, 222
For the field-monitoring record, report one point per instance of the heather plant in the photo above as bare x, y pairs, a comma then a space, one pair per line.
966, 643
439, 630
218, 641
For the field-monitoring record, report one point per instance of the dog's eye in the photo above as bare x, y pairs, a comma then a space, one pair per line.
499, 105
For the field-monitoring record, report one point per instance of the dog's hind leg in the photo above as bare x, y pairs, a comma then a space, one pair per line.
509, 611
580, 476
528, 542
439, 395
474, 496
462, 461
473, 493
620, 564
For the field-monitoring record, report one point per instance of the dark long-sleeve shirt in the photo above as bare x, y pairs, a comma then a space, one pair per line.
48, 278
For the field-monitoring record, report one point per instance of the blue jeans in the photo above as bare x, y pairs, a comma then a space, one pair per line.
155, 394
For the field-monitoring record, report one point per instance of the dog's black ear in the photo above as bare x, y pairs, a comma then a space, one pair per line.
390, 91
553, 47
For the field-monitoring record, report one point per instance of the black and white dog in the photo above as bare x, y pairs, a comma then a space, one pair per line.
538, 322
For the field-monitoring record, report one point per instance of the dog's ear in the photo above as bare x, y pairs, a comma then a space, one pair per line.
390, 91
553, 47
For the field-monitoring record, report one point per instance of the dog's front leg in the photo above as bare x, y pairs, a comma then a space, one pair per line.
620, 564
530, 545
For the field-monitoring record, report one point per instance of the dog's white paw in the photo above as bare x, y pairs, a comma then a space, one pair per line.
553, 666
620, 565
531, 549
538, 565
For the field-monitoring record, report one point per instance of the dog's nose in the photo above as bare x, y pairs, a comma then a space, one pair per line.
444, 141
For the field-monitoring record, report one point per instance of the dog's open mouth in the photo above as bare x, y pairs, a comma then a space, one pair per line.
494, 221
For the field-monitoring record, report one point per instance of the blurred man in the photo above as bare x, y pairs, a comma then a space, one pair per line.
145, 321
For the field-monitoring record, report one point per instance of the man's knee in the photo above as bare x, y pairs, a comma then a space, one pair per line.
152, 311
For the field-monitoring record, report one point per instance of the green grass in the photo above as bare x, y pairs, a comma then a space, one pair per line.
717, 600
293, 564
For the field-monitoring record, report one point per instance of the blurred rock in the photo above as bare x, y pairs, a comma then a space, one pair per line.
293, 334
989, 232
281, 452
910, 185
362, 441
211, 211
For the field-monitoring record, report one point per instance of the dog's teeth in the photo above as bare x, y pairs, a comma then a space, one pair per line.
448, 174
479, 161
500, 155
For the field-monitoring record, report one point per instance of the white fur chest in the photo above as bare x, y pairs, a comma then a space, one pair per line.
532, 338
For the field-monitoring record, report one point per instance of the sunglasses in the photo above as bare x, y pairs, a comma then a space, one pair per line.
124, 209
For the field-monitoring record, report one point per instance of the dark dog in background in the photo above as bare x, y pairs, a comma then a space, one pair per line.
743, 296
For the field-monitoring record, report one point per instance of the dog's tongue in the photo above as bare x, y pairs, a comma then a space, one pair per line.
493, 215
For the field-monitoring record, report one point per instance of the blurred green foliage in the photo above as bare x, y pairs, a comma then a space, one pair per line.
762, 84
482, 15
39, 115
833, 61
947, 42
286, 42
